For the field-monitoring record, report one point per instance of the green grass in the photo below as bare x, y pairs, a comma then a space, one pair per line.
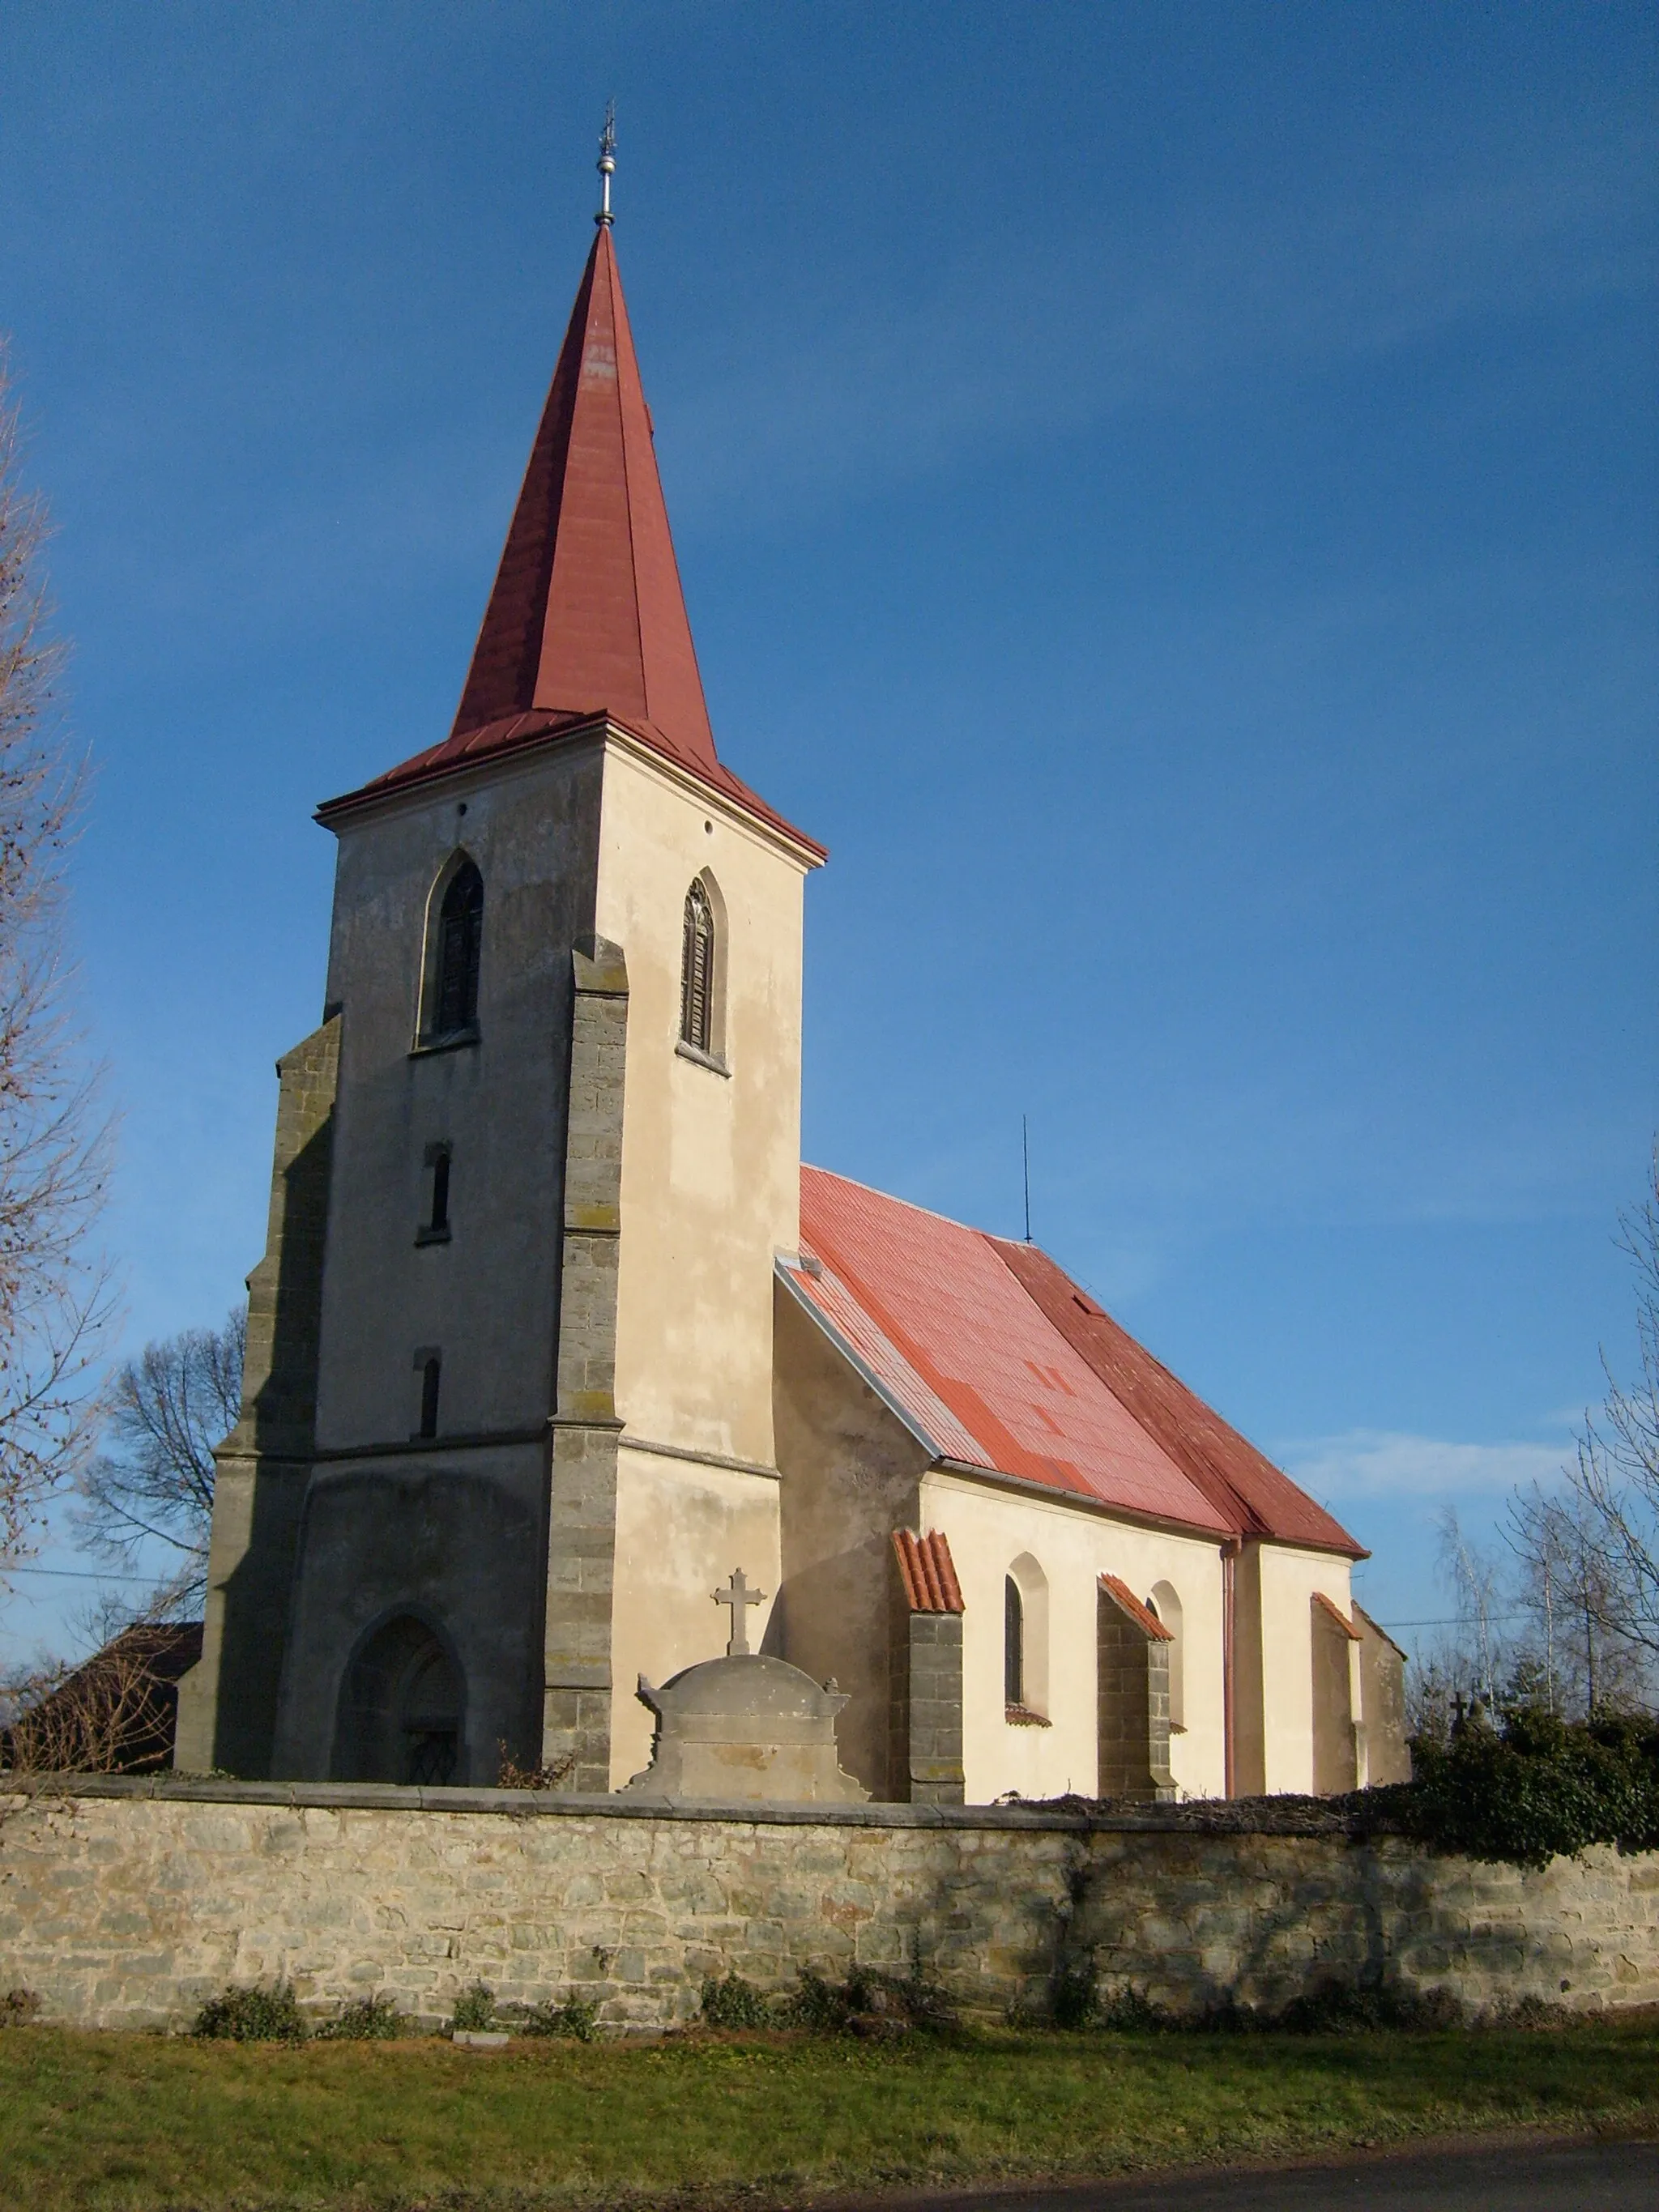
136, 2124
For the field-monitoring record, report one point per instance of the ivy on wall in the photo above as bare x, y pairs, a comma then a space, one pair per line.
1525, 1786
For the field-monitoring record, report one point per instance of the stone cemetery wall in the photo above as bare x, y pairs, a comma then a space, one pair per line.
125, 1903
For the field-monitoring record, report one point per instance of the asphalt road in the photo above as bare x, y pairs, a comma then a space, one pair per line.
1596, 2176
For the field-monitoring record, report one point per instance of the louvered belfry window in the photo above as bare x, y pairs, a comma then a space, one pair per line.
460, 936
697, 971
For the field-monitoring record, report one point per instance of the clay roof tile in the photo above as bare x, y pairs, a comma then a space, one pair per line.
1143, 1616
926, 1572
1329, 1605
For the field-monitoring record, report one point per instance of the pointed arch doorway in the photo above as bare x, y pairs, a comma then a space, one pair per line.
401, 1710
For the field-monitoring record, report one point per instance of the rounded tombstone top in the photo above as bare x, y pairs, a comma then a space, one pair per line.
751, 1686
745, 1729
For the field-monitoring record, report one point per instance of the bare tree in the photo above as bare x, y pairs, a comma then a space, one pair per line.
111, 1714
1472, 1659
1588, 1552
1572, 1590
1433, 1686
168, 1408
1615, 1480
53, 1145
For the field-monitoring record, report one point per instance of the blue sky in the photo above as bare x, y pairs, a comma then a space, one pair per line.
1167, 493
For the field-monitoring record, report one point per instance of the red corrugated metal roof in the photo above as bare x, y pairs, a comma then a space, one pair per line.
1256, 1497
961, 1331
1024, 1402
586, 618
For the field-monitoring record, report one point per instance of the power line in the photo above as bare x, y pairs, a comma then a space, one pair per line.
1495, 1620
75, 1575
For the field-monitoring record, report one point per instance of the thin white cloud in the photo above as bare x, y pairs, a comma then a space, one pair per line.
1387, 1463
847, 393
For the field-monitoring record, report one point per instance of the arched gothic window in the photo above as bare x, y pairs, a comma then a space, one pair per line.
1013, 1644
697, 971
460, 937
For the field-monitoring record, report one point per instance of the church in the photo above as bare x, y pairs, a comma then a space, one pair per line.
565, 1374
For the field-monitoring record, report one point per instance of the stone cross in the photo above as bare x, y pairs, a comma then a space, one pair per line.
739, 1595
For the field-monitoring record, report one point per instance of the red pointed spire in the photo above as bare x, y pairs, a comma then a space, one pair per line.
587, 618
587, 613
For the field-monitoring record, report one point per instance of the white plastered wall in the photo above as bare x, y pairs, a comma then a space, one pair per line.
711, 1162
1289, 1579
710, 1194
990, 1528
681, 1528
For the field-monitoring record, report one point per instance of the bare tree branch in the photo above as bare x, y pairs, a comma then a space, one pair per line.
1590, 1552
112, 1714
168, 1408
54, 1147
1475, 1577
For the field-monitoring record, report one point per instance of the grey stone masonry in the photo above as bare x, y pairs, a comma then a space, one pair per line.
926, 1714
934, 1733
582, 1478
125, 1903
1132, 1694
228, 1702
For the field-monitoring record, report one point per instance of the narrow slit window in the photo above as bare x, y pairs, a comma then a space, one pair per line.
697, 971
461, 939
431, 1378
437, 1212
1013, 1644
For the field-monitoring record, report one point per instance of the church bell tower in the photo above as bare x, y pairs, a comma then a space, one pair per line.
507, 1409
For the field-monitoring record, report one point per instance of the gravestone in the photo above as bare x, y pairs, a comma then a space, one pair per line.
746, 1728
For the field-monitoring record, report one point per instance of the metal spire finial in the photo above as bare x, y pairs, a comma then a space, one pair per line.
607, 163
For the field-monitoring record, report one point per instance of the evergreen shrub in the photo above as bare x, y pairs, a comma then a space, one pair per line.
1525, 1786
475, 2011
576, 2017
368, 2020
733, 2003
253, 2015
868, 2003
1074, 1999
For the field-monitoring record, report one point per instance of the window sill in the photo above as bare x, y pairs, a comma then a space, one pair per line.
709, 1060
455, 1040
1022, 1717
433, 1235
